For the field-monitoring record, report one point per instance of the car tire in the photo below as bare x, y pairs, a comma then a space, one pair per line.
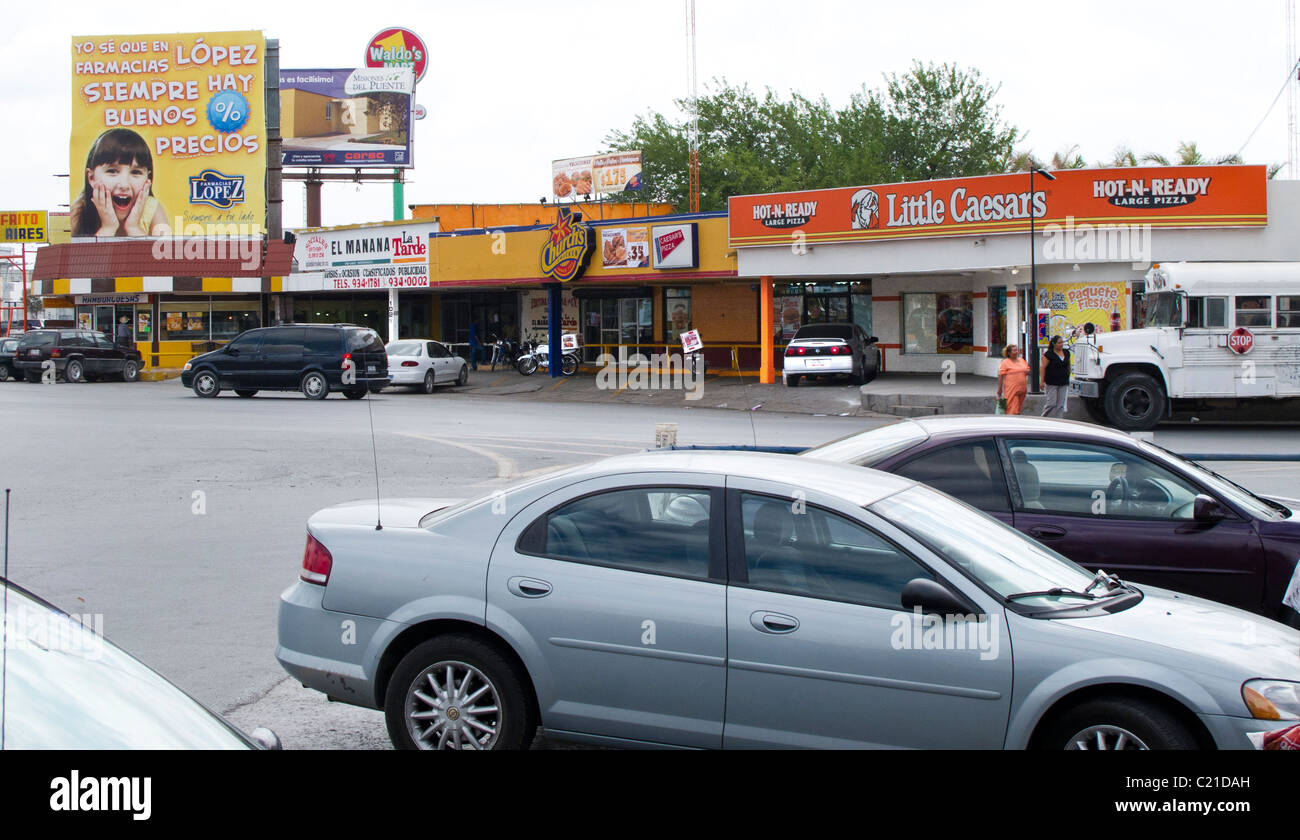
1289, 617
75, 371
463, 376
1135, 402
355, 393
130, 370
314, 386
206, 384
1114, 723
4, 373
429, 381
33, 377
245, 392
792, 381
486, 668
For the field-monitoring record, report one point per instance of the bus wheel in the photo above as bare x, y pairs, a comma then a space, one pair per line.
1135, 402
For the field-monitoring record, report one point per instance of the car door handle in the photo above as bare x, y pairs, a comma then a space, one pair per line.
770, 622
1047, 532
528, 587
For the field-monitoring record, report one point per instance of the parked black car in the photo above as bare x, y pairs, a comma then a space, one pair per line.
293, 357
78, 356
8, 347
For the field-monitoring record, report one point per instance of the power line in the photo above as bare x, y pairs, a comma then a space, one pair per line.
1291, 72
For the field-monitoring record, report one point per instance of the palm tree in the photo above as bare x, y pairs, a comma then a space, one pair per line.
1189, 155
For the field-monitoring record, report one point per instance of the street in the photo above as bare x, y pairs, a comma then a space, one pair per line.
180, 520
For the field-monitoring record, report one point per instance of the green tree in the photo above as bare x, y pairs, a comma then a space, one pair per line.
932, 122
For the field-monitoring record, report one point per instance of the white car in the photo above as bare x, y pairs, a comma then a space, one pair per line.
423, 363
830, 350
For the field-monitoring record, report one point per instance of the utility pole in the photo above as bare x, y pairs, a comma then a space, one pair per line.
693, 128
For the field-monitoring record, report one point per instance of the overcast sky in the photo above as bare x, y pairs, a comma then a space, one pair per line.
513, 84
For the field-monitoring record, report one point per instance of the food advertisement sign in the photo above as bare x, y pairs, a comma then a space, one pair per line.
1165, 197
625, 247
1071, 305
576, 178
675, 246
380, 257
346, 117
534, 318
168, 135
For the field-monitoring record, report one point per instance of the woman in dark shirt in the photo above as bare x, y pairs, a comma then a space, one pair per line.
1055, 373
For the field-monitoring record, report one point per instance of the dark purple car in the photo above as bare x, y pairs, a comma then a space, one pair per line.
1103, 499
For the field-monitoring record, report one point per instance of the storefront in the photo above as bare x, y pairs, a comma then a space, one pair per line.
944, 268
188, 300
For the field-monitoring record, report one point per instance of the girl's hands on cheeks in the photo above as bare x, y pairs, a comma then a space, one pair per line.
104, 206
133, 227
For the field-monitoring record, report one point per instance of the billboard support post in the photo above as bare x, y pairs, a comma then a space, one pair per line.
399, 196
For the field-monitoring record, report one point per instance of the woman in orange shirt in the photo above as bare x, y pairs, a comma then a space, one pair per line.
1013, 378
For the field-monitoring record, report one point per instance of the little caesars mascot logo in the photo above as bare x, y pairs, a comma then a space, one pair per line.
865, 206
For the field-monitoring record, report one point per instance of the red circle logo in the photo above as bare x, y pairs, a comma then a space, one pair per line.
397, 47
1240, 341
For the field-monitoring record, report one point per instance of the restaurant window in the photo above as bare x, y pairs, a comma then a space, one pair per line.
997, 320
1288, 311
231, 317
143, 322
938, 322
1254, 310
183, 320
677, 314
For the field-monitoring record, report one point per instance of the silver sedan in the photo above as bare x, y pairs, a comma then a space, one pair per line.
727, 599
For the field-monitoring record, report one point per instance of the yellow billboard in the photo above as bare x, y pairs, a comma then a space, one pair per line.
24, 226
168, 135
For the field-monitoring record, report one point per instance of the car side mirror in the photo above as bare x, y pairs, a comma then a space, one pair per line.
872, 339
266, 738
934, 598
1207, 509
231, 351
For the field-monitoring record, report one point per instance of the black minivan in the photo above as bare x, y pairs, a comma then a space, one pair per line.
293, 357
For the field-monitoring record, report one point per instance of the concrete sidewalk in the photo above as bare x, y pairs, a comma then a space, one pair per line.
925, 395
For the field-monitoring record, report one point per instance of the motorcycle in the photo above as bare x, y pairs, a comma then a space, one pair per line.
535, 354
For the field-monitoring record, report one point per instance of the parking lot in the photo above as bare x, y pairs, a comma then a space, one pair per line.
180, 520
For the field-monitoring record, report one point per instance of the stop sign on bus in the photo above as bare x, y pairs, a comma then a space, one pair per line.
1240, 341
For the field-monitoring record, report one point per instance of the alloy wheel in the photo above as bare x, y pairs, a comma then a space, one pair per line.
451, 705
1105, 737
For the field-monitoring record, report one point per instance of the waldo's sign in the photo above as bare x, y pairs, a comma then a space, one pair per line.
567, 247
1167, 196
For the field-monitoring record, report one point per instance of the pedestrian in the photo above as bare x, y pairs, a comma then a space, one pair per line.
1054, 377
1013, 378
124, 332
475, 346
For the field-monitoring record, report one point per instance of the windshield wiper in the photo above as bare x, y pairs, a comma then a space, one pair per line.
1102, 578
1056, 590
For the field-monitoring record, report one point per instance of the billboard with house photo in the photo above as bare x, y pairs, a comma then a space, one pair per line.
347, 118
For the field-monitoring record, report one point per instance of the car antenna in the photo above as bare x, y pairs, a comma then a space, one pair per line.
379, 525
4, 625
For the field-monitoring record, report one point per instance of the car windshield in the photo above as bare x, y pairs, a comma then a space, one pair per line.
1003, 559
1164, 309
1259, 508
38, 339
843, 331
70, 688
868, 448
404, 348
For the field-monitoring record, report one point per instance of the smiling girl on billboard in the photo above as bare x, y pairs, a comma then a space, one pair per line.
118, 196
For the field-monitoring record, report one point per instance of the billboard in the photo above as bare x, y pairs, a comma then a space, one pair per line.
24, 226
168, 135
1167, 196
575, 178
378, 257
347, 117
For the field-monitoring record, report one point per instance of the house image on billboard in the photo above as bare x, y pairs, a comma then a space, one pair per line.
307, 114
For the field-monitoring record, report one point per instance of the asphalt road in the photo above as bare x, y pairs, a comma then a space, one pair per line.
180, 520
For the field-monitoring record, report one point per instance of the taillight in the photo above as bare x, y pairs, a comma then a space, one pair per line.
410, 364
347, 356
835, 351
56, 353
316, 562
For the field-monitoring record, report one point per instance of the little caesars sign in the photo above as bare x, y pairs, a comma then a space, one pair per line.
366, 258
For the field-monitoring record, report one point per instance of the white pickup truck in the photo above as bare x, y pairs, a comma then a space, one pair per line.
1217, 334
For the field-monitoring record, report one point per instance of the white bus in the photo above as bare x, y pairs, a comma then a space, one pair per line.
1216, 334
